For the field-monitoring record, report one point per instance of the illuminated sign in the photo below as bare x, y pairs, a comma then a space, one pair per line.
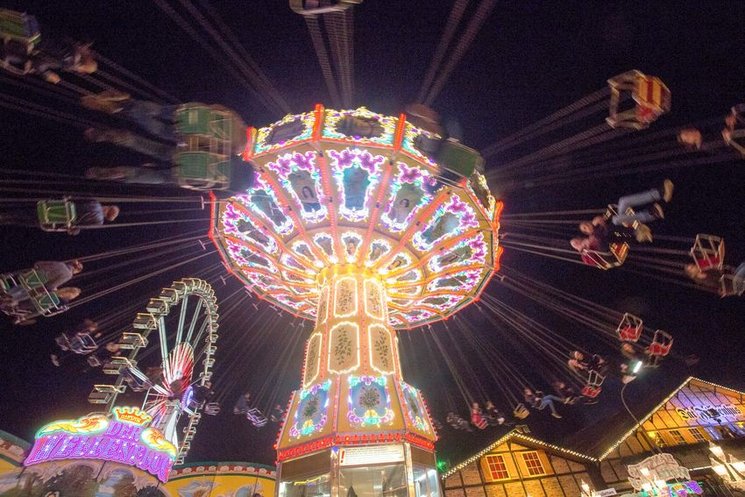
709, 412
650, 478
125, 438
608, 492
353, 456
683, 489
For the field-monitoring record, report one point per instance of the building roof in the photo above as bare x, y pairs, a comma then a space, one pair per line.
611, 425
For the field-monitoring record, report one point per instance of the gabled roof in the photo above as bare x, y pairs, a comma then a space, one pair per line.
519, 436
596, 441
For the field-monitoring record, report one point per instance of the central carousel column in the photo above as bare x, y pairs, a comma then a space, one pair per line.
354, 425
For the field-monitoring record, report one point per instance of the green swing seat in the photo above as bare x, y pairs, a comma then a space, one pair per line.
56, 215
19, 27
207, 133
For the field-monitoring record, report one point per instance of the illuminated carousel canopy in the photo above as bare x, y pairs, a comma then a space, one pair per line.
356, 191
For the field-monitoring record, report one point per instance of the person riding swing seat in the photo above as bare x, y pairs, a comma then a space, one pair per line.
23, 51
617, 249
30, 285
61, 215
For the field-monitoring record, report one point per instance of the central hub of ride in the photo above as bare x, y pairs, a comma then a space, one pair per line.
363, 223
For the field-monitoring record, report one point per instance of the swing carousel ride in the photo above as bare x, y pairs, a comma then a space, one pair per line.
370, 226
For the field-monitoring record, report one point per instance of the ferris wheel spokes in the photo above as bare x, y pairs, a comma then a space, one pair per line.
185, 356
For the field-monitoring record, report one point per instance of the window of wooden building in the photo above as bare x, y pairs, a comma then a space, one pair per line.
677, 437
698, 435
533, 463
497, 467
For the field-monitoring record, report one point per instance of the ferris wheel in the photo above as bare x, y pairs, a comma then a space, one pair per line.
167, 371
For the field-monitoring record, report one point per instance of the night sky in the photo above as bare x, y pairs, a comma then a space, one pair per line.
529, 59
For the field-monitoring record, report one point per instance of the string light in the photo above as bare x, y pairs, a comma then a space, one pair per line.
519, 436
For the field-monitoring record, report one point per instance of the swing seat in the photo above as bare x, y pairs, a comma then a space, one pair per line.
649, 96
595, 379
194, 119
82, 344
313, 8
630, 328
612, 211
45, 303
256, 417
212, 408
20, 35
730, 286
591, 391
8, 281
19, 27
32, 283
520, 411
661, 344
209, 137
460, 160
615, 257
202, 171
56, 215
708, 252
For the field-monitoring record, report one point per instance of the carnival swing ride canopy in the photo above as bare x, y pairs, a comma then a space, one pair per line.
327, 197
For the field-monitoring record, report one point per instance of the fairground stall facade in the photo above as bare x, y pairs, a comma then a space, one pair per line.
73, 477
700, 424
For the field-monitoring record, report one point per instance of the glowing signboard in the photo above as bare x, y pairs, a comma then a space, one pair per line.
353, 456
126, 438
710, 412
681, 489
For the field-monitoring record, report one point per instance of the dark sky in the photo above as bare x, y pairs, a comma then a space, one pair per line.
530, 59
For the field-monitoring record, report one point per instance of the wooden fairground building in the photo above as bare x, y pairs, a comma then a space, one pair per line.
686, 422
